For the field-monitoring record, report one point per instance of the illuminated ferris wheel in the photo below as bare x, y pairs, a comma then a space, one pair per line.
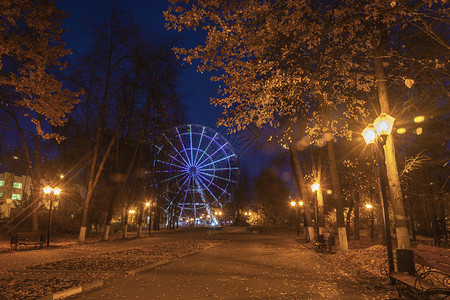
197, 169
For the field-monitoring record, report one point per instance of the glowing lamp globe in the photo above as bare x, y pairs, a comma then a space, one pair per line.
47, 190
383, 124
369, 134
315, 187
57, 191
292, 203
300, 203
368, 206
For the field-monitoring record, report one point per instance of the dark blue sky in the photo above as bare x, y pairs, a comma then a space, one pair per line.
195, 88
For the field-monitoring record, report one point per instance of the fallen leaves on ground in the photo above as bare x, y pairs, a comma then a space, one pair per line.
34, 285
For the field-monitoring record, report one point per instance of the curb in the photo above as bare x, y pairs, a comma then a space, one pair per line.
160, 263
148, 267
74, 290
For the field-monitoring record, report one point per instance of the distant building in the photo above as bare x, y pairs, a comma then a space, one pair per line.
13, 190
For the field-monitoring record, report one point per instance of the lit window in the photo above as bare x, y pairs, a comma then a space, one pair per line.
2, 182
17, 185
16, 196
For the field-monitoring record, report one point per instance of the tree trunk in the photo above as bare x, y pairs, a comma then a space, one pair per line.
321, 218
401, 224
302, 186
343, 243
125, 224
139, 225
37, 180
356, 218
348, 220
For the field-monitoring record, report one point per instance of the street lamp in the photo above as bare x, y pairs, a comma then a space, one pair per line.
149, 206
297, 206
315, 188
56, 192
382, 126
369, 207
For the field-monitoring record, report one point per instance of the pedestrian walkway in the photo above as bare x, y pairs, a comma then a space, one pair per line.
236, 265
246, 266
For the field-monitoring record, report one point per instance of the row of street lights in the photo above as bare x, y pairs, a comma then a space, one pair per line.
375, 134
315, 188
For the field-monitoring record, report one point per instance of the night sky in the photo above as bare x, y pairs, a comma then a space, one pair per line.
195, 88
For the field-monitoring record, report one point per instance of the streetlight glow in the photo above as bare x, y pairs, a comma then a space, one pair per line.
57, 191
383, 124
292, 203
315, 187
47, 190
368, 206
369, 134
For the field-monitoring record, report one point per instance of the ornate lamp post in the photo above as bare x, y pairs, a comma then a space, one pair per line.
376, 134
47, 191
315, 188
297, 206
369, 207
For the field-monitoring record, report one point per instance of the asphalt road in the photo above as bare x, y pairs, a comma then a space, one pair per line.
245, 266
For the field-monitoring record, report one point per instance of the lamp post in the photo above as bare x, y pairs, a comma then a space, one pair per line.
369, 207
315, 188
297, 209
47, 191
374, 134
149, 206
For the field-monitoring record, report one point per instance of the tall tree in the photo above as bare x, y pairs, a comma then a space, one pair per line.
277, 59
32, 95
271, 196
381, 27
131, 95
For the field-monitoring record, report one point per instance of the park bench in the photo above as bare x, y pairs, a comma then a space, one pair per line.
323, 242
27, 238
422, 273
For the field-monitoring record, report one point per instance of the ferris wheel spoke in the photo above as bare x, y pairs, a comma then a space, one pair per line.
173, 177
184, 148
210, 156
219, 169
216, 161
213, 184
190, 142
199, 144
206, 150
172, 164
176, 150
180, 189
215, 176
206, 187
184, 201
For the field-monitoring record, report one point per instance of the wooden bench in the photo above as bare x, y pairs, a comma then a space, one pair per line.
426, 275
27, 238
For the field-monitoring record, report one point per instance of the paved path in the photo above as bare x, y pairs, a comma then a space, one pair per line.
247, 266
